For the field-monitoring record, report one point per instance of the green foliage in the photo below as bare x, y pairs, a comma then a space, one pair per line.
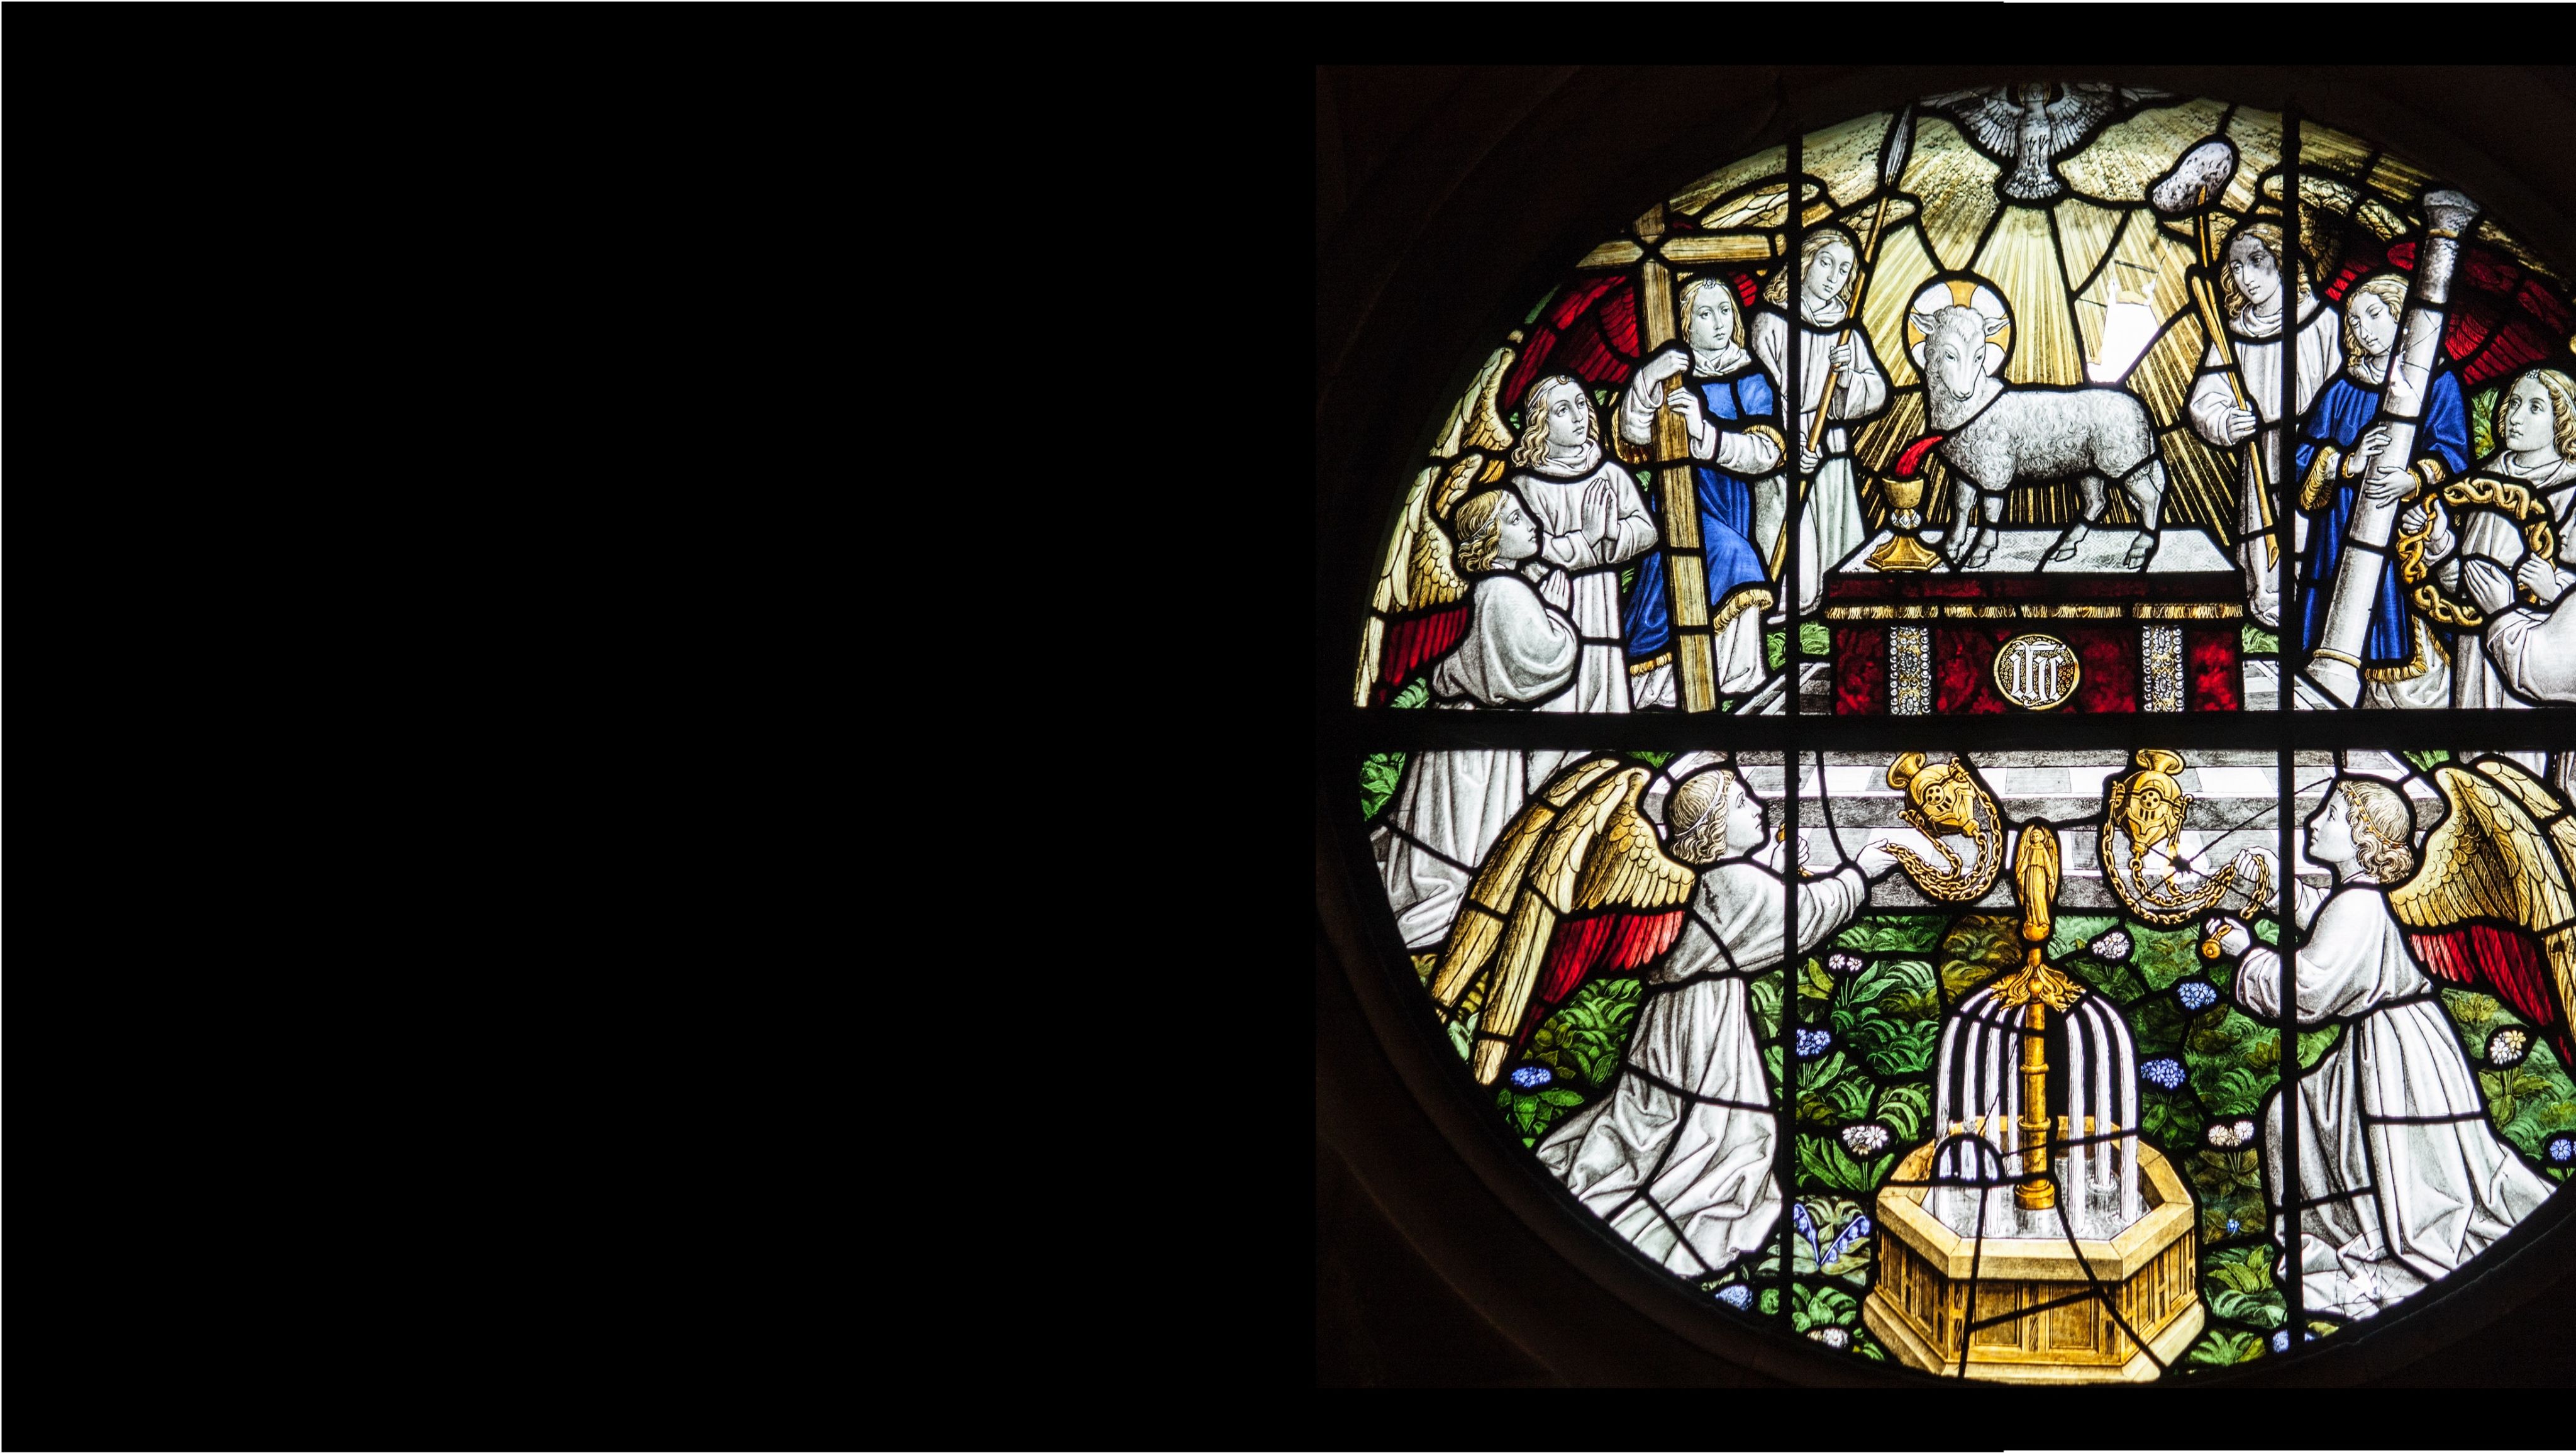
1535, 1112
2482, 422
1818, 1082
2157, 1024
1831, 1214
1462, 1035
2247, 1269
2264, 1309
1902, 933
2173, 1121
1824, 1164
1652, 759
2426, 761
1585, 1039
1541, 305
2222, 1174
1900, 988
2509, 1092
2476, 1015
1378, 776
1416, 692
1978, 947
1814, 639
2165, 956
2225, 1347
2073, 931
2238, 1091
1763, 992
2268, 930
1775, 648
1770, 1299
2313, 1044
1815, 987
2260, 642
1894, 1048
1628, 577
1904, 1108
1811, 1307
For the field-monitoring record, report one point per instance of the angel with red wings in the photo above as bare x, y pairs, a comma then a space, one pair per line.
1678, 1155
2402, 1178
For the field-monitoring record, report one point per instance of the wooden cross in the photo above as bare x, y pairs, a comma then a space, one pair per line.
1685, 557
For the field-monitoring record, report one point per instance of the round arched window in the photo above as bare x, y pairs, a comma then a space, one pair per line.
2200, 993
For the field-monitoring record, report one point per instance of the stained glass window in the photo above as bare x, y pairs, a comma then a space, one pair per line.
2180, 1011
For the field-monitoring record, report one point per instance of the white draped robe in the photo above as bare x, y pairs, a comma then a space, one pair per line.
1678, 1157
1517, 650
2257, 344
1830, 527
2407, 1177
2485, 534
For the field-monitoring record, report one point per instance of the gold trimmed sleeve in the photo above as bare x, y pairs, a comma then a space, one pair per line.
2323, 471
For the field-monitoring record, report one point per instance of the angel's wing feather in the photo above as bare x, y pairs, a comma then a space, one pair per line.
1989, 117
1576, 883
2490, 869
1427, 599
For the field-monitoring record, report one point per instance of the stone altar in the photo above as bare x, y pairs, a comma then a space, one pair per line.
2032, 634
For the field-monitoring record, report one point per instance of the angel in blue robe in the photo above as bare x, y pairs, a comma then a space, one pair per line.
1723, 403
2338, 458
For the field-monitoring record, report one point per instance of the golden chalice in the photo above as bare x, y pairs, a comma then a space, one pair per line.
1902, 550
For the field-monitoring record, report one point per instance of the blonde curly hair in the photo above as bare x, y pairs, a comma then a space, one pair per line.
2562, 411
2383, 827
1532, 447
2390, 289
2267, 235
1480, 530
1776, 291
1697, 812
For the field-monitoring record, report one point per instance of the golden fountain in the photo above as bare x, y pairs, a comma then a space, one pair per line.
2020, 1287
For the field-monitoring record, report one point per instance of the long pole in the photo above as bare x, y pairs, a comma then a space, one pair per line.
1824, 401
2256, 475
2335, 662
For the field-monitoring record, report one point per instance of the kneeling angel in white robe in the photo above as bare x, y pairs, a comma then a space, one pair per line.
1520, 649
1679, 1156
2401, 1177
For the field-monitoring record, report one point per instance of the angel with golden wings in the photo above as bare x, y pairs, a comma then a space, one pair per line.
1678, 1155
2401, 1176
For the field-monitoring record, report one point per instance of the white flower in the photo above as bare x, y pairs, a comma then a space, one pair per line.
1864, 1140
1834, 1337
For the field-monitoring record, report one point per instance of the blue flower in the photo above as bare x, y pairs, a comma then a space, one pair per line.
1738, 1296
2234, 1226
2281, 1339
2165, 1072
2195, 995
2562, 1150
1531, 1077
1813, 1042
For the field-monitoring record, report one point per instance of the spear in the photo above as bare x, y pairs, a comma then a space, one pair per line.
1891, 168
2205, 169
